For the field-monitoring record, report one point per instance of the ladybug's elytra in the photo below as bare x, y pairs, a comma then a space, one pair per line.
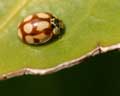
39, 28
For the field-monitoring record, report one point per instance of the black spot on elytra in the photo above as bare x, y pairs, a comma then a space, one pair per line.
36, 40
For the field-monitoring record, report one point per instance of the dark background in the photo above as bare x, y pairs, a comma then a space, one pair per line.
97, 76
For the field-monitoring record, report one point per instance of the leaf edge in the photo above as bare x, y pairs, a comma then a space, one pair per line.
68, 64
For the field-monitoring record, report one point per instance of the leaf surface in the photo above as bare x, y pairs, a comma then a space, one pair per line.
88, 23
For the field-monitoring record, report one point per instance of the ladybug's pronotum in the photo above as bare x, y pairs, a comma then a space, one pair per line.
39, 28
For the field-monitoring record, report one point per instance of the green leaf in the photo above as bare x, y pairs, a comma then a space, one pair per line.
88, 23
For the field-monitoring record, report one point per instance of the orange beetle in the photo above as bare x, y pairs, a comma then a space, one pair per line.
39, 28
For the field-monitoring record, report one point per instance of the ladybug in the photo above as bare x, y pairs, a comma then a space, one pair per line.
39, 28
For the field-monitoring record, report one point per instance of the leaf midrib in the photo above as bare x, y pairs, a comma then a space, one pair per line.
13, 13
